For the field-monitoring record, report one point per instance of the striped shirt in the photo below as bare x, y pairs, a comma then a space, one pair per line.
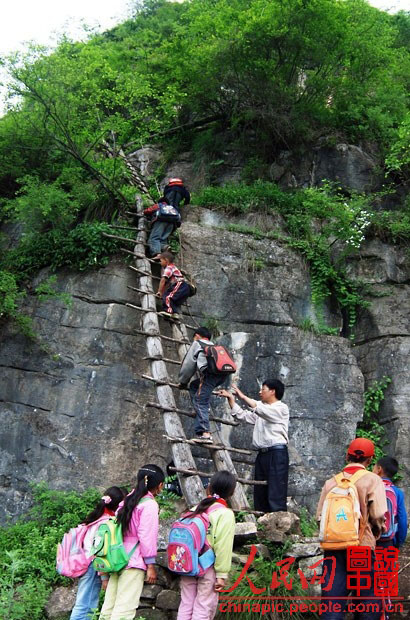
172, 274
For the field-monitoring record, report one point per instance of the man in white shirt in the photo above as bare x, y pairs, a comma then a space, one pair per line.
270, 436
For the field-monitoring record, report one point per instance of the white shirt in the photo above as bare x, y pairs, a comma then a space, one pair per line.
271, 423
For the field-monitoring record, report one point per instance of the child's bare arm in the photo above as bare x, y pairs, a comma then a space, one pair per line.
161, 287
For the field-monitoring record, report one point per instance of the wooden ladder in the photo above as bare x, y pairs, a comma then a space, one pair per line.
188, 474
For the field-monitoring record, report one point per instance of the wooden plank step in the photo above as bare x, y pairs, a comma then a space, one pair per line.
190, 414
209, 446
157, 335
143, 273
204, 474
159, 312
123, 227
164, 359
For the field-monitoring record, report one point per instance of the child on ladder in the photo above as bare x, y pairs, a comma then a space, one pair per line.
199, 595
173, 289
89, 585
138, 516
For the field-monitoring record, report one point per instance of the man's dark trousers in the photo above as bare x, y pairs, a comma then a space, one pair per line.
272, 465
339, 588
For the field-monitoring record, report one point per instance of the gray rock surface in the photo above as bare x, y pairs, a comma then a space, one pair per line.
244, 531
75, 416
383, 339
61, 602
168, 599
277, 526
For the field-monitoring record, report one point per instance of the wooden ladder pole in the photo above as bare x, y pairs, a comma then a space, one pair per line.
221, 458
191, 486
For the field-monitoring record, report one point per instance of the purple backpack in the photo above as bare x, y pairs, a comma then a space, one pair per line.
189, 552
71, 557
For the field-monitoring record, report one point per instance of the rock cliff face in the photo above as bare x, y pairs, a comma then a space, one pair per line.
74, 415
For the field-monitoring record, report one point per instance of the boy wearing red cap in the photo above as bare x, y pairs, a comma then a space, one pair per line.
372, 500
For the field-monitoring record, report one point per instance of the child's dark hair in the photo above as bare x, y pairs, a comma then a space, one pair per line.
204, 332
116, 494
389, 465
222, 484
275, 384
167, 256
148, 478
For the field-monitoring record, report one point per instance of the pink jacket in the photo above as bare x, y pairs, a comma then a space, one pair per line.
143, 528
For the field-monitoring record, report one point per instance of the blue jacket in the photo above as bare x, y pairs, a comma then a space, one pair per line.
401, 517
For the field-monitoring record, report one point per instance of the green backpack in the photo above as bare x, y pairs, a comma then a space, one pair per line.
108, 548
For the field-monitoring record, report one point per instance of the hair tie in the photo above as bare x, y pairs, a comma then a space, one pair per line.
106, 499
216, 496
146, 480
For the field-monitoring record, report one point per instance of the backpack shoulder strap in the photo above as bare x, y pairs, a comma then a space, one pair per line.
358, 474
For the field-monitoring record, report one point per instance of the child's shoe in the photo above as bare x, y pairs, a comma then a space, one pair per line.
204, 438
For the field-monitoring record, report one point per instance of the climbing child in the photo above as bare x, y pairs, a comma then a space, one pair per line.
164, 218
199, 595
89, 585
138, 516
396, 516
173, 289
201, 388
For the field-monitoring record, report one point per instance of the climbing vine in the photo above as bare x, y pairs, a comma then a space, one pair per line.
370, 428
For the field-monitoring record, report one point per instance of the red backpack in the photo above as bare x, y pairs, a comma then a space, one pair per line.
219, 359
391, 519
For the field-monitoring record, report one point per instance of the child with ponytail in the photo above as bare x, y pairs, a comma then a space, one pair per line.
89, 585
138, 516
199, 595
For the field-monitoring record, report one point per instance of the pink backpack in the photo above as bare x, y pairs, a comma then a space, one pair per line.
71, 557
391, 519
189, 552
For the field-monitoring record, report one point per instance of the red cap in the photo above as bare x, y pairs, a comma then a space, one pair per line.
361, 447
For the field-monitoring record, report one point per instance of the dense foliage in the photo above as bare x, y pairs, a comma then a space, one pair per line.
253, 75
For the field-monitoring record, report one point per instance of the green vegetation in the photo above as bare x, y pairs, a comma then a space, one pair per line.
256, 80
28, 551
370, 428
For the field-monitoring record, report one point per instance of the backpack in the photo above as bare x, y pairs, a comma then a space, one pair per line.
340, 525
168, 213
219, 359
391, 518
71, 558
108, 548
188, 551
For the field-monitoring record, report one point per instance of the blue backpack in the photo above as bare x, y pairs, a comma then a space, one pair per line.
168, 213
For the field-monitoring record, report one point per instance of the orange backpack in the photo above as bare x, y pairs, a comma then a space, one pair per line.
340, 520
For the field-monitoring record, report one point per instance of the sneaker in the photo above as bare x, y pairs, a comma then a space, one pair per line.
204, 438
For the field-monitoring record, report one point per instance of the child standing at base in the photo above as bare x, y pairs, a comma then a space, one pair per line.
387, 467
89, 584
199, 595
138, 516
173, 289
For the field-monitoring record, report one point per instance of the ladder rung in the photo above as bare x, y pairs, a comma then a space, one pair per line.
162, 359
160, 381
210, 446
203, 474
119, 238
139, 290
123, 227
158, 335
133, 213
144, 273
142, 309
190, 414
